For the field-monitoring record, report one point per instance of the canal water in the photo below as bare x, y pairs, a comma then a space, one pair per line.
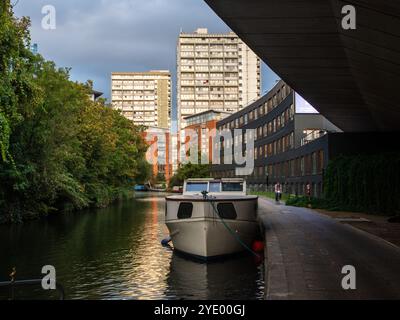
115, 253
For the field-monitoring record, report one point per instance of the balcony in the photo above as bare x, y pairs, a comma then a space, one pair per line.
311, 135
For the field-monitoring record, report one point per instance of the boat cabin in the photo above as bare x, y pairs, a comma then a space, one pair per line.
235, 186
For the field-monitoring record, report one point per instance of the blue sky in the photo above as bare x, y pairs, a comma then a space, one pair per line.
97, 37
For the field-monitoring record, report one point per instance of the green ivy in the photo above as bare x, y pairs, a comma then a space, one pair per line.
368, 183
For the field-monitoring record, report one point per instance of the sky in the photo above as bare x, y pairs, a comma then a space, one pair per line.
97, 37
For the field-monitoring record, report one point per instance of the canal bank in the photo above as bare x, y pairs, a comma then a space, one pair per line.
305, 254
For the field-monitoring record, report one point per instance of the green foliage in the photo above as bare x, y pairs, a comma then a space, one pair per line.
368, 183
58, 150
363, 183
303, 201
189, 170
144, 171
271, 195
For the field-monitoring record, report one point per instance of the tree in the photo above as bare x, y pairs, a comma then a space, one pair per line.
58, 149
189, 170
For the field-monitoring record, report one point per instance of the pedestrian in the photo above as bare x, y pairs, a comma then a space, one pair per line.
308, 190
278, 191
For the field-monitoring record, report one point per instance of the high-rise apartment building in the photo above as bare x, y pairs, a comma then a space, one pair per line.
215, 71
143, 97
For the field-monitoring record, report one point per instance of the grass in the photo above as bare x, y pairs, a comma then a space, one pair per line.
271, 195
312, 203
300, 201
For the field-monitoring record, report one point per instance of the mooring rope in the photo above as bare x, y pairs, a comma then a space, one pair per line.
234, 234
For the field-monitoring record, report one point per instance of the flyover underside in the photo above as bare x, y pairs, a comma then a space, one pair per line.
351, 76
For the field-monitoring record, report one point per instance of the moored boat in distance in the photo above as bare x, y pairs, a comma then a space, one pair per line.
140, 187
212, 218
147, 187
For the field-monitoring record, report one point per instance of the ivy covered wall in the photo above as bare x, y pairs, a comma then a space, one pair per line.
367, 183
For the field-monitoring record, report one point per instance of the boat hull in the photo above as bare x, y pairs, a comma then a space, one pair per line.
206, 235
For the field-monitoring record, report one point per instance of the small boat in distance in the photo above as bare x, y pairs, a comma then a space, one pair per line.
212, 218
177, 189
140, 187
147, 187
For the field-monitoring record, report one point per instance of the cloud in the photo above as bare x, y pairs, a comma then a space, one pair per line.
97, 37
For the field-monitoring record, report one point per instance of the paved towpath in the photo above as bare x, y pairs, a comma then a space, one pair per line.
306, 251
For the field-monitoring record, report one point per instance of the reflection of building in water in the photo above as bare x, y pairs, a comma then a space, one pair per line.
146, 270
154, 216
231, 278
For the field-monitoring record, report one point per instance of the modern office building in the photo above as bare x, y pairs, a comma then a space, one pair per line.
291, 141
202, 127
143, 97
214, 71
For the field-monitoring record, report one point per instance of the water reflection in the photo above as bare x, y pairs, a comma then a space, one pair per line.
233, 278
115, 253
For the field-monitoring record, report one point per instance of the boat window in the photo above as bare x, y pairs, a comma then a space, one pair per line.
227, 211
196, 186
232, 186
215, 187
185, 210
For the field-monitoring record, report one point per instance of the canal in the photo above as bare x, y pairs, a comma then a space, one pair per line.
115, 253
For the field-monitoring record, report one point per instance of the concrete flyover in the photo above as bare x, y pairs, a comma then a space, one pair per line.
351, 76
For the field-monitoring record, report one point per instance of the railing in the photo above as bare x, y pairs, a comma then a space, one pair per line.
315, 134
13, 284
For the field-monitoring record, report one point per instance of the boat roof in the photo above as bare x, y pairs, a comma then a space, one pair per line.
214, 197
216, 180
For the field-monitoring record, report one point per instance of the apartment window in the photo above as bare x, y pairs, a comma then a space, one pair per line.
302, 168
260, 171
259, 132
320, 161
292, 111
314, 163
292, 167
